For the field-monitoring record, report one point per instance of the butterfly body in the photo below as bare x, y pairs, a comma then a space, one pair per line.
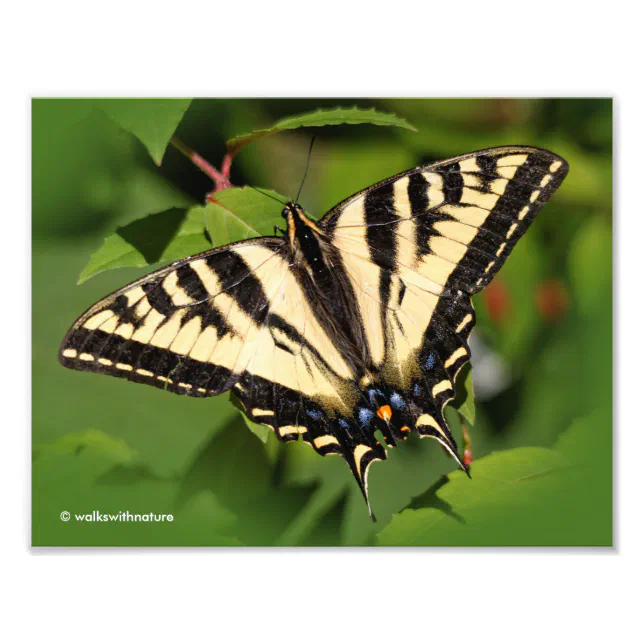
345, 326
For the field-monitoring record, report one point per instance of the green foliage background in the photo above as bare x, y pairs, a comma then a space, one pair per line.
542, 445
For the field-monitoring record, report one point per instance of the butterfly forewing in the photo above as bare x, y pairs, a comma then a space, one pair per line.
455, 220
195, 327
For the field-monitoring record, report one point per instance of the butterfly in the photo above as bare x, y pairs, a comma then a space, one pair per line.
341, 327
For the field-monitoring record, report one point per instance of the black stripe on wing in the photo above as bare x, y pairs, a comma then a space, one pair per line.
239, 282
174, 307
483, 202
382, 242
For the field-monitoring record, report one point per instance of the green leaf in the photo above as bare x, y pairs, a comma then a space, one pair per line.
261, 431
500, 482
235, 466
242, 213
151, 120
524, 496
205, 521
111, 450
163, 237
319, 118
464, 401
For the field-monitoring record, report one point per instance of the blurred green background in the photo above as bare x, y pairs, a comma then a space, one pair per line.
542, 349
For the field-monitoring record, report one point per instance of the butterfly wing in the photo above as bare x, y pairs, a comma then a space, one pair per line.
234, 317
416, 247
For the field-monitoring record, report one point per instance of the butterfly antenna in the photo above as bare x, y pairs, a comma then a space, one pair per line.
308, 163
267, 195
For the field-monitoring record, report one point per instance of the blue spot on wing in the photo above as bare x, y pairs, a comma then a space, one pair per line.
343, 423
397, 401
314, 414
373, 393
417, 390
365, 416
430, 362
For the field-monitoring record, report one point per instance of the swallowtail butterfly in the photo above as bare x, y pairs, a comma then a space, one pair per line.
355, 323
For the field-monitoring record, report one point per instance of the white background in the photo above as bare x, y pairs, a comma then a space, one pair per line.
421, 49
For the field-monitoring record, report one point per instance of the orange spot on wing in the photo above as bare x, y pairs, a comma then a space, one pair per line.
404, 428
384, 412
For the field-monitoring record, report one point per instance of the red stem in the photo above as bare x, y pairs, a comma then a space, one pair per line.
226, 164
221, 179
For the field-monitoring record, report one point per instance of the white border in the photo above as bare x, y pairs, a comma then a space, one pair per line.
335, 49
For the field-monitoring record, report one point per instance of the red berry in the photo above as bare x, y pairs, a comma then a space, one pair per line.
497, 300
552, 299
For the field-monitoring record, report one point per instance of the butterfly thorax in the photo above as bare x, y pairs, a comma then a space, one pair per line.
305, 237
315, 259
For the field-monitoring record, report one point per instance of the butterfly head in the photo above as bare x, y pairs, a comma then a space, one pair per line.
292, 209
302, 230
